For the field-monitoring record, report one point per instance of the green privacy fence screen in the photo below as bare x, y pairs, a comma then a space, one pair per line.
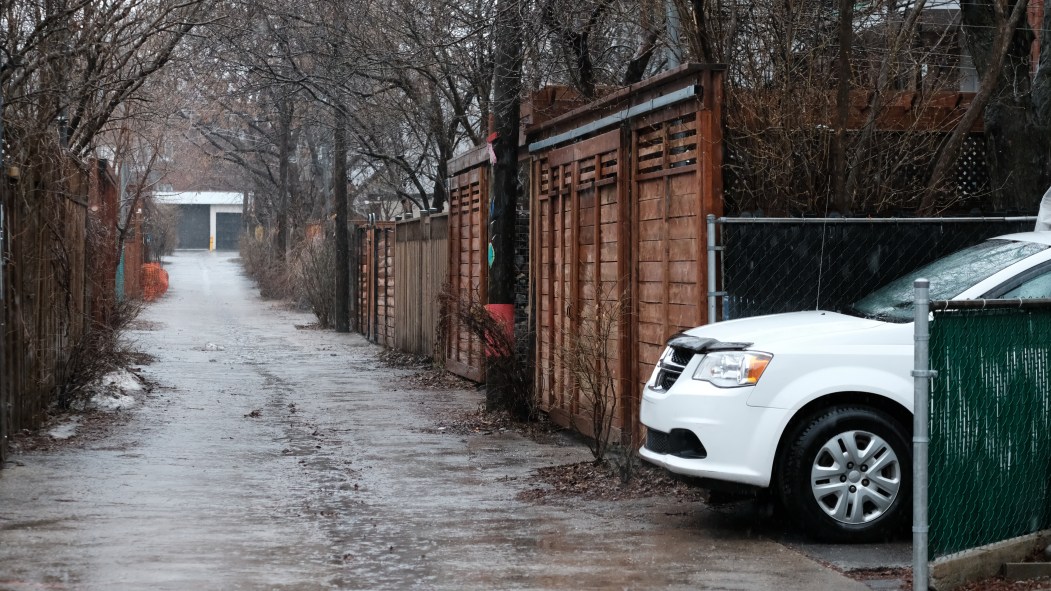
120, 279
990, 427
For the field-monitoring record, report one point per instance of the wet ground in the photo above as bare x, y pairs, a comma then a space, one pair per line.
275, 457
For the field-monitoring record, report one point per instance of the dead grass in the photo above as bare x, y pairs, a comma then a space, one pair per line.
426, 376
602, 482
92, 427
484, 422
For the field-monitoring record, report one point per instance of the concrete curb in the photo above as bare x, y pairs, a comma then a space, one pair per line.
958, 569
1021, 571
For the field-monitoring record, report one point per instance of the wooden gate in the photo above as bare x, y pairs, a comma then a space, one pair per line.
581, 253
421, 271
468, 269
620, 194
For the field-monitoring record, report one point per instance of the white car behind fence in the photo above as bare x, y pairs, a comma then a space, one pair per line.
817, 406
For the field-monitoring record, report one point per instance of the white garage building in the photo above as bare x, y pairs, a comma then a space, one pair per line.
207, 219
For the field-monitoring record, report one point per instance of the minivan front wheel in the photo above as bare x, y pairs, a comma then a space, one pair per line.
846, 476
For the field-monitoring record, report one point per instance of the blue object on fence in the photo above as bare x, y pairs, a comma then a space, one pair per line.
120, 279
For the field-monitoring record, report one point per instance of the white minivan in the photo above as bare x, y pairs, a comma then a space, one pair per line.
817, 405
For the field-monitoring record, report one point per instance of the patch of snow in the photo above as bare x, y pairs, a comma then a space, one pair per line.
122, 380
65, 430
112, 401
113, 392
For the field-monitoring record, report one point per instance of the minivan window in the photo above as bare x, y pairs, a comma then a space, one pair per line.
949, 276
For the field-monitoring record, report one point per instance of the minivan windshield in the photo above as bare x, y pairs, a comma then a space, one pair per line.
949, 276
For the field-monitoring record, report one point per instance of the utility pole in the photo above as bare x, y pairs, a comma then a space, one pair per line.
674, 47
339, 194
503, 203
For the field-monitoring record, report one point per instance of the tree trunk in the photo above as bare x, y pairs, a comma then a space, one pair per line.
1015, 140
637, 66
507, 88
339, 194
1042, 79
703, 44
1018, 153
284, 154
441, 174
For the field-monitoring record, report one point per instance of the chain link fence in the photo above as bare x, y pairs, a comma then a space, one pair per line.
772, 265
990, 426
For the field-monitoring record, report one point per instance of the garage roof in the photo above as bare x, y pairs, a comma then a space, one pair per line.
200, 197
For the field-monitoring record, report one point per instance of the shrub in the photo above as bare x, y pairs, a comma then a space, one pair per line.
509, 374
589, 356
99, 351
314, 278
162, 226
263, 265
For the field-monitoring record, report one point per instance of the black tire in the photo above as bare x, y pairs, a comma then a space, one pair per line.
827, 485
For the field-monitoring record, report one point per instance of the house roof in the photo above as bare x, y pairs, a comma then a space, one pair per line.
200, 197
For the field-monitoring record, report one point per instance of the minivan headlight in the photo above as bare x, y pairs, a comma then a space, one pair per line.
732, 369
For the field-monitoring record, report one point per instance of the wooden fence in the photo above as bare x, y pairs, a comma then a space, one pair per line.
373, 276
103, 216
468, 271
619, 194
57, 281
134, 253
398, 272
421, 273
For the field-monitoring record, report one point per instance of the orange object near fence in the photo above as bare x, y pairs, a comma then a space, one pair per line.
154, 281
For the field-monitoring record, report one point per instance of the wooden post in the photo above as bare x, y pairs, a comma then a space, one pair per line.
627, 343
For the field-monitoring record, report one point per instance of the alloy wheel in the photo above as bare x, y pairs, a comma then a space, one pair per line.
855, 477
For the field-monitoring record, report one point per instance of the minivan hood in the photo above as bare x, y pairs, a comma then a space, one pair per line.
770, 333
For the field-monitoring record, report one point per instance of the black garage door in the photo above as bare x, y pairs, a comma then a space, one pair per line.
194, 225
227, 231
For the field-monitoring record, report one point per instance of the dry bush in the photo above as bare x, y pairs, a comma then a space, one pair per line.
162, 227
509, 373
782, 110
314, 279
887, 173
589, 355
101, 350
262, 264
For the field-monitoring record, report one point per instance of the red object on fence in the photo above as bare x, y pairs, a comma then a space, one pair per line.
504, 314
154, 281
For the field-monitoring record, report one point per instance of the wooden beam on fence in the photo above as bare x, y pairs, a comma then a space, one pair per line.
627, 263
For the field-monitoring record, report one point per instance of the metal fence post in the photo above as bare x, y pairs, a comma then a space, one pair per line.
712, 286
920, 435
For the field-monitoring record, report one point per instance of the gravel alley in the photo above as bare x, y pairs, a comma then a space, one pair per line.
284, 458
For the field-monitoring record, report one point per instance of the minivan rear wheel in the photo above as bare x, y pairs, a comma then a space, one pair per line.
847, 474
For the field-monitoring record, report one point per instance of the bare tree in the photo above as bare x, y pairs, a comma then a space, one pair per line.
1016, 105
71, 65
